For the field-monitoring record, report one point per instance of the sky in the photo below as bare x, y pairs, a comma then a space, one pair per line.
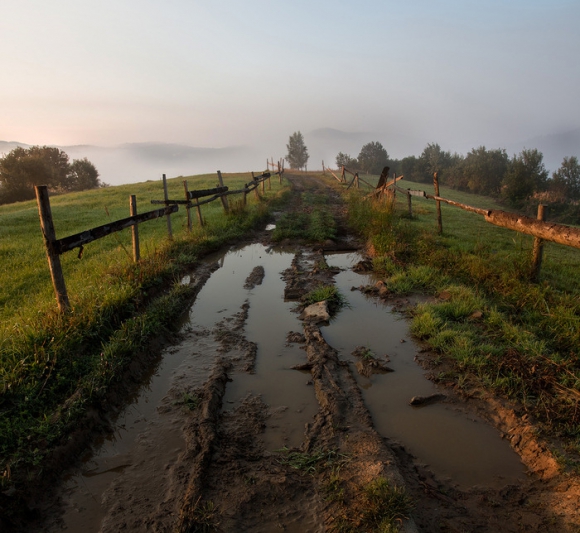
219, 73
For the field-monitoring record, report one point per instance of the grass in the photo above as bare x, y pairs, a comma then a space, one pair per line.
312, 462
329, 293
54, 367
377, 506
499, 330
314, 222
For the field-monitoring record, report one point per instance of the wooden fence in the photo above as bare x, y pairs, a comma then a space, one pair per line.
537, 228
56, 247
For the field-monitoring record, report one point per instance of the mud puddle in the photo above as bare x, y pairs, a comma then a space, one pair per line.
132, 470
453, 444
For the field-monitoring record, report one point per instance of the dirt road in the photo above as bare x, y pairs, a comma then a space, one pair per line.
206, 452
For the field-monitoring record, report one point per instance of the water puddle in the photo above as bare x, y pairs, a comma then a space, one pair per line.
292, 402
463, 448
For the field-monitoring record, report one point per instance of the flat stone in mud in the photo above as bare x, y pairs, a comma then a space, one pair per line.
317, 312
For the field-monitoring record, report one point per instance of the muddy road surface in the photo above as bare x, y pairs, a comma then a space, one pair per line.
259, 417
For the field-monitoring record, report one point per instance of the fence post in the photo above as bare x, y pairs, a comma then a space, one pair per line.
47, 228
134, 228
409, 204
538, 250
356, 182
256, 192
342, 176
168, 217
224, 199
436, 186
187, 205
280, 172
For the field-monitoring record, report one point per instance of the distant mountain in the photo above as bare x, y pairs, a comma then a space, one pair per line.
554, 147
135, 162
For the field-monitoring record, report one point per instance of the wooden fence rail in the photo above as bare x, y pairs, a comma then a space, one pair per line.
536, 227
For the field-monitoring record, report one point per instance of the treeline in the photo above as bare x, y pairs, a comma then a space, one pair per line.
520, 182
22, 169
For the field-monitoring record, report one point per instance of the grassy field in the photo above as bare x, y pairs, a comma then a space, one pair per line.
53, 367
498, 330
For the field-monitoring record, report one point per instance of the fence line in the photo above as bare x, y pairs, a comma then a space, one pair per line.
56, 247
536, 227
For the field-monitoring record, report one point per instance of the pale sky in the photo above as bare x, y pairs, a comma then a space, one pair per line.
217, 73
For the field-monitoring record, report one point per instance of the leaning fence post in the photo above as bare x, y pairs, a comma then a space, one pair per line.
134, 229
224, 199
187, 205
342, 176
47, 228
538, 250
436, 185
168, 217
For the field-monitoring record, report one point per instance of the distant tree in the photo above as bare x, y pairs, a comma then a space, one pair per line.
482, 171
565, 181
373, 158
526, 175
346, 160
297, 152
83, 175
22, 169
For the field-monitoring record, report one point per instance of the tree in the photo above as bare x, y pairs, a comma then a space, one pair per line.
373, 158
525, 176
83, 175
344, 160
482, 171
297, 152
22, 169
566, 180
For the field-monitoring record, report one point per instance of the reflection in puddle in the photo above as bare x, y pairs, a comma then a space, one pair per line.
453, 444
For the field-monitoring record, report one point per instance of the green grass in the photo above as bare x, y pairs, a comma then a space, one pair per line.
54, 367
517, 338
314, 223
329, 293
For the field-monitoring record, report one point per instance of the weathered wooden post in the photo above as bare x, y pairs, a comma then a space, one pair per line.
409, 206
187, 205
439, 221
134, 228
356, 182
168, 217
538, 250
280, 172
256, 192
342, 176
49, 235
224, 199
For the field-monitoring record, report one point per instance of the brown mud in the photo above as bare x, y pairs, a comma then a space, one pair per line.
195, 465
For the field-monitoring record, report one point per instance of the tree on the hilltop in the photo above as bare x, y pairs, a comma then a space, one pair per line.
344, 160
297, 152
525, 176
565, 181
22, 169
83, 175
373, 158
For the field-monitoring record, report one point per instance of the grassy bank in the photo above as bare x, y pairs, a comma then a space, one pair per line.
53, 368
497, 329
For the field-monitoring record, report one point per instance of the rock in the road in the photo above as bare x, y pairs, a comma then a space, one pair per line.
317, 312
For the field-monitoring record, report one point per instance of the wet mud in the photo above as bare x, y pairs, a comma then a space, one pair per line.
208, 443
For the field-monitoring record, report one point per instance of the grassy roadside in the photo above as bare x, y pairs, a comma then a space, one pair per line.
54, 368
515, 338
